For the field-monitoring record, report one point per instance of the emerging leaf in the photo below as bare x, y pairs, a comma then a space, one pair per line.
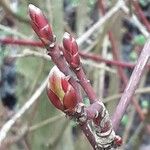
60, 92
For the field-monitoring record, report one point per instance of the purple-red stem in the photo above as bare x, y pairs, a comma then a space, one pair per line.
131, 86
21, 42
123, 76
89, 136
93, 57
99, 59
85, 83
140, 14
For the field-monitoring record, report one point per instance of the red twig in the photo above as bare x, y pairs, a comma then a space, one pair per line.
140, 14
99, 59
93, 57
21, 42
85, 83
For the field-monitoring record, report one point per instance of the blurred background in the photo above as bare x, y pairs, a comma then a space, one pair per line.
107, 64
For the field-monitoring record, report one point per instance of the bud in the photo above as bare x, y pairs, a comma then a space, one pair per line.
71, 50
118, 141
61, 94
40, 25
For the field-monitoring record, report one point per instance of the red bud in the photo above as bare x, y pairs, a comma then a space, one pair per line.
71, 50
40, 25
54, 99
70, 100
60, 92
118, 141
64, 83
70, 44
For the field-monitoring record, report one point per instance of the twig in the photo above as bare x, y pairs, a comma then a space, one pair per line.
90, 56
21, 42
140, 26
45, 122
99, 23
117, 96
136, 133
140, 14
128, 127
101, 73
6, 127
28, 52
98, 59
82, 54
12, 31
88, 33
91, 46
35, 106
132, 85
13, 14
136, 22
53, 142
68, 29
13, 139
97, 65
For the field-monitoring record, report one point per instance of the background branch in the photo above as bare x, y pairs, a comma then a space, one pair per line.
132, 85
7, 8
7, 126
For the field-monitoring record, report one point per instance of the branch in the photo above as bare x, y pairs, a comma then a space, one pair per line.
21, 42
136, 22
132, 85
86, 35
140, 14
129, 125
136, 134
12, 31
45, 122
100, 22
99, 66
13, 14
117, 96
13, 139
28, 53
7, 126
52, 143
90, 56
